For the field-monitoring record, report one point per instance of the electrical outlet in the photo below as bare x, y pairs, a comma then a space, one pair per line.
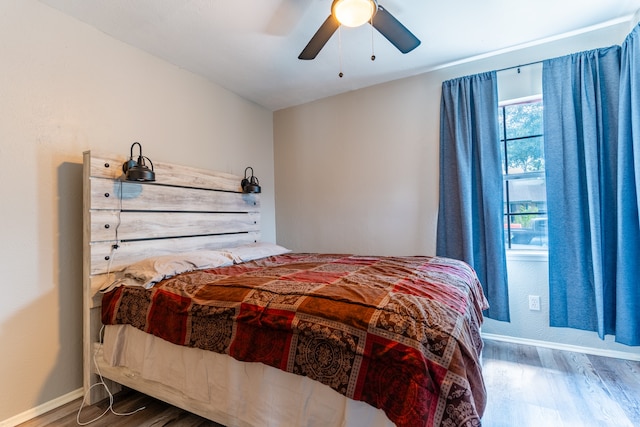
534, 302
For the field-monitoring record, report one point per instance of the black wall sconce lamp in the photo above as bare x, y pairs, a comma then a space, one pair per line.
251, 184
138, 170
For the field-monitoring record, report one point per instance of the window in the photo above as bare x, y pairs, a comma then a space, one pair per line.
525, 200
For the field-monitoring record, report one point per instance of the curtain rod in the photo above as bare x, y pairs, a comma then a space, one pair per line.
518, 66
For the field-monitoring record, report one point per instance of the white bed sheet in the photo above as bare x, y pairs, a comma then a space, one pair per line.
239, 394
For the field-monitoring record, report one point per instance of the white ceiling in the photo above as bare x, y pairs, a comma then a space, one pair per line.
251, 47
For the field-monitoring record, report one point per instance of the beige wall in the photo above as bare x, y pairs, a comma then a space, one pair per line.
66, 88
354, 172
359, 173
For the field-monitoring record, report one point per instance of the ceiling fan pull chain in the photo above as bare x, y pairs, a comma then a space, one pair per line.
340, 74
373, 53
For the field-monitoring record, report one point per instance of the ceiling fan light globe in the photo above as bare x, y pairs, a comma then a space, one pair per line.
353, 13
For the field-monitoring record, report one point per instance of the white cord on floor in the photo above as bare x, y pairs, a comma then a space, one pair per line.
103, 384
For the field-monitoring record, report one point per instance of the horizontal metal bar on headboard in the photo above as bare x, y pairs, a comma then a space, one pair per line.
116, 225
105, 258
117, 195
110, 166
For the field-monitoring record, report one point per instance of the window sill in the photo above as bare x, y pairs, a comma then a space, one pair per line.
527, 255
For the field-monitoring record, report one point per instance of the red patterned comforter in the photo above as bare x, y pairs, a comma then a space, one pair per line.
400, 333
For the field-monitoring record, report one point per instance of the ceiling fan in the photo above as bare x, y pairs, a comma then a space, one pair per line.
353, 13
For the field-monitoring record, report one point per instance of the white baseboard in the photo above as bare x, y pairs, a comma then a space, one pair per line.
566, 347
42, 409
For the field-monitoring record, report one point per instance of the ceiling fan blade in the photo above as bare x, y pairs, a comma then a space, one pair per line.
320, 38
394, 31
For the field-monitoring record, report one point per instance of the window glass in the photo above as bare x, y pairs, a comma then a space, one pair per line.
523, 119
525, 155
522, 150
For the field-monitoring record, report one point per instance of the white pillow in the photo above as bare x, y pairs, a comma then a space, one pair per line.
149, 271
253, 251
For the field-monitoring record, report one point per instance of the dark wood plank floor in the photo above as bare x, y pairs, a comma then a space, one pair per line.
155, 414
527, 386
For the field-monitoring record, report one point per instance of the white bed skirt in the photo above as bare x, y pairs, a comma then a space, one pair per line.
236, 394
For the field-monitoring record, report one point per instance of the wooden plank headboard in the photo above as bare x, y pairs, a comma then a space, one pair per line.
185, 209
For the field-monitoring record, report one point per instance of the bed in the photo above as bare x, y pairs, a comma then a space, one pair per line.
195, 310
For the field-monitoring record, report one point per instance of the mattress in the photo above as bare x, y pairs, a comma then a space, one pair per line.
399, 333
236, 394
